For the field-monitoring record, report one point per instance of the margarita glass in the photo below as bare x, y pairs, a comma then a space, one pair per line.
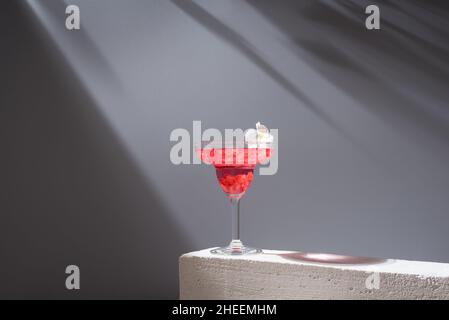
234, 168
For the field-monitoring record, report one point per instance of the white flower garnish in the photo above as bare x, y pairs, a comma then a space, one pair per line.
259, 137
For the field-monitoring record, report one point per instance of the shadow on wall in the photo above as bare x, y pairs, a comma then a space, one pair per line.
375, 67
70, 192
244, 47
80, 42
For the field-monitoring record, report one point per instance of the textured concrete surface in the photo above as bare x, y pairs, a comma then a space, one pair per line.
294, 275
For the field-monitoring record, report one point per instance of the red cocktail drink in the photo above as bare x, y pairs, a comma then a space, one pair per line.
234, 166
234, 169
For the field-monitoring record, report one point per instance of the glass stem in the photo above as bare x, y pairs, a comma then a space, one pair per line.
236, 244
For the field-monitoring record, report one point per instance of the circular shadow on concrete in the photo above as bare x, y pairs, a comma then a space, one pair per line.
330, 258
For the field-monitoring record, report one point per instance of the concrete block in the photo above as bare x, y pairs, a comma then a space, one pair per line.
295, 275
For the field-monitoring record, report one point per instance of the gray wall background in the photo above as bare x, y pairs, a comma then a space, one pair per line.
85, 119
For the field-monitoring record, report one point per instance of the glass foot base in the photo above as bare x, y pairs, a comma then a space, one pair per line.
236, 248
